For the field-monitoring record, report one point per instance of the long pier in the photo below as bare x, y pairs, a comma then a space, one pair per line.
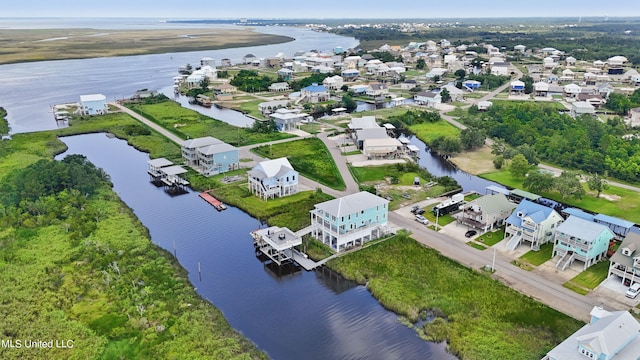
217, 204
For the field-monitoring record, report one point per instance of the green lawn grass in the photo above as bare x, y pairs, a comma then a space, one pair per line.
538, 258
492, 237
428, 132
479, 317
593, 276
475, 245
310, 157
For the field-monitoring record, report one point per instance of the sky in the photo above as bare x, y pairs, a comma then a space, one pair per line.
224, 9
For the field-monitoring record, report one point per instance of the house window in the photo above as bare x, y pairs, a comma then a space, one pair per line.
361, 211
293, 177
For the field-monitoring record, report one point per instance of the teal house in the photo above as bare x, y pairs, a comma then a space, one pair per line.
582, 240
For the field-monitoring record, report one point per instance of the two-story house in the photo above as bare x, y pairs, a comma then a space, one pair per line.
273, 178
315, 93
350, 220
625, 263
94, 104
580, 239
217, 159
533, 223
486, 213
610, 335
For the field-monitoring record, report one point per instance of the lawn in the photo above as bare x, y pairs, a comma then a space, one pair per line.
538, 258
479, 317
625, 206
290, 211
428, 132
492, 237
592, 277
250, 107
310, 157
188, 123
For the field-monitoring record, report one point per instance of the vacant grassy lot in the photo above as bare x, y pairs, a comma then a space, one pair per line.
614, 201
187, 123
478, 316
310, 157
428, 132
22, 45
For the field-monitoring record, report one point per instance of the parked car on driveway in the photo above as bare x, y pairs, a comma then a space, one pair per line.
470, 233
422, 220
633, 291
414, 209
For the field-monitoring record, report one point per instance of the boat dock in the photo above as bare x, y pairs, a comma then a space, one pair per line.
217, 204
278, 244
164, 173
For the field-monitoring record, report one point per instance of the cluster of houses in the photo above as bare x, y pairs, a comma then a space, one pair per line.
529, 220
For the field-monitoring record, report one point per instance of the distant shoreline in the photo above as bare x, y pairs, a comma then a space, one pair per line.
31, 45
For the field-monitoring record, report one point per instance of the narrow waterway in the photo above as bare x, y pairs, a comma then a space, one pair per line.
303, 315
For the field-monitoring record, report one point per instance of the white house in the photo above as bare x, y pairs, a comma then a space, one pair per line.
429, 98
572, 90
287, 119
582, 107
541, 88
315, 93
279, 87
94, 104
484, 105
273, 178
333, 82
533, 223
500, 69
455, 93
381, 148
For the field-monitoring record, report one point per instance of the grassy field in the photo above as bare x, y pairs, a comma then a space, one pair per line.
478, 316
113, 292
427, 132
310, 157
187, 123
23, 45
290, 211
614, 201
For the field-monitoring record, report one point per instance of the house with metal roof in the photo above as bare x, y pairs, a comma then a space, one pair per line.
273, 178
209, 156
619, 227
287, 119
428, 98
486, 213
580, 239
350, 221
367, 134
610, 335
533, 223
384, 148
581, 108
314, 93
625, 262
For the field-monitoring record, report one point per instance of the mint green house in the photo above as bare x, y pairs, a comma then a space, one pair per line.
580, 239
350, 221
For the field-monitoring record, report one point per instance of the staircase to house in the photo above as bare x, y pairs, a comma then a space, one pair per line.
566, 260
513, 243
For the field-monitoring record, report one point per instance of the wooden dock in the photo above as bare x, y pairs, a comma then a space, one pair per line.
217, 204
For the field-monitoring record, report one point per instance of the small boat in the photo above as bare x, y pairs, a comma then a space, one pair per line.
217, 204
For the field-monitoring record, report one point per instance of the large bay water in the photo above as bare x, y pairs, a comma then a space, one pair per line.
301, 315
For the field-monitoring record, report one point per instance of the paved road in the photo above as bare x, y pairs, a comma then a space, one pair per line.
171, 136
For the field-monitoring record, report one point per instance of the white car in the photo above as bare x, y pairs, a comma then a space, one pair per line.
633, 291
422, 220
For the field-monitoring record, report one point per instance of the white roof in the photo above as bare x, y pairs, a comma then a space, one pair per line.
216, 149
200, 142
174, 170
365, 122
271, 168
92, 97
413, 148
388, 142
351, 204
541, 86
517, 83
583, 105
485, 103
159, 162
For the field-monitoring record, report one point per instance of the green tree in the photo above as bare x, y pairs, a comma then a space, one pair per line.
539, 181
460, 74
446, 146
445, 96
204, 83
420, 64
472, 138
498, 162
597, 183
349, 103
529, 153
568, 184
519, 166
619, 103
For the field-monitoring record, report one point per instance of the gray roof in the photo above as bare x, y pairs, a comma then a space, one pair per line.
631, 241
607, 333
375, 133
365, 122
351, 204
217, 148
494, 203
583, 229
159, 162
174, 170
271, 168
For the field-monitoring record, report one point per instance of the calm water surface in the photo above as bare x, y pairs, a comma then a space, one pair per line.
306, 315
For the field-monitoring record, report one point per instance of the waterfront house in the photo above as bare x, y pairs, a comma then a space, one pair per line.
268, 107
273, 178
210, 156
608, 336
383, 148
224, 88
486, 213
408, 84
248, 59
377, 91
94, 104
625, 262
472, 84
533, 223
580, 239
484, 105
365, 122
350, 220
619, 227
572, 90
368, 134
570, 61
314, 93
